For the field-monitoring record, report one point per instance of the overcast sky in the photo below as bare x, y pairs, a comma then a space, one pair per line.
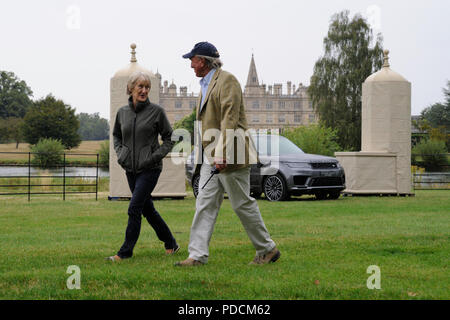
72, 48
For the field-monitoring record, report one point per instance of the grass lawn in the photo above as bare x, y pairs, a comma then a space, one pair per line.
326, 249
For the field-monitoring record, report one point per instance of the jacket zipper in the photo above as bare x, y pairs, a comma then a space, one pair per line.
134, 144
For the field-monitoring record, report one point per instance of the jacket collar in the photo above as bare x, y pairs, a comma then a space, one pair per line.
139, 106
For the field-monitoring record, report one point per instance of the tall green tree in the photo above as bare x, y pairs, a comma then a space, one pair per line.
435, 120
93, 127
438, 114
15, 127
51, 118
352, 53
15, 96
11, 130
4, 132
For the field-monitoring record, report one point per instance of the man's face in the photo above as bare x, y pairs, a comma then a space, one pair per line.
199, 66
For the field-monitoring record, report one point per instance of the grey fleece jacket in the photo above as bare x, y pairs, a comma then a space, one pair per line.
136, 136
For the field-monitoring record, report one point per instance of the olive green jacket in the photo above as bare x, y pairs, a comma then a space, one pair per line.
221, 116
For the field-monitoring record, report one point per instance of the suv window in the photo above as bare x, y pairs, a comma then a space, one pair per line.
265, 147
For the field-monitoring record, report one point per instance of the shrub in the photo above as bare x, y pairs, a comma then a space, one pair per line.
104, 154
51, 118
48, 152
433, 154
314, 139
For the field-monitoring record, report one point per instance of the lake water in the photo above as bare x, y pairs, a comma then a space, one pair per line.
9, 171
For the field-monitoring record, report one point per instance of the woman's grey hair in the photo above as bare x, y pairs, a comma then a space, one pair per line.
134, 78
212, 63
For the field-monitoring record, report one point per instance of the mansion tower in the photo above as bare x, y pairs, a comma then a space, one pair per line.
267, 107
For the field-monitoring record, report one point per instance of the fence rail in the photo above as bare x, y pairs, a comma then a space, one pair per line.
431, 172
64, 178
431, 181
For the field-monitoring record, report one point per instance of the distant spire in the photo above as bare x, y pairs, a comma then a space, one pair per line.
133, 52
386, 59
252, 79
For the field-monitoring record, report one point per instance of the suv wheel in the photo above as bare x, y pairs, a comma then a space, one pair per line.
275, 188
195, 184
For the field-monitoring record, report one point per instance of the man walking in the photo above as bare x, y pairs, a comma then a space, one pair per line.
221, 111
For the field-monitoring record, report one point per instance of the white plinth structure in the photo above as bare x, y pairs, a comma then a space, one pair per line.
171, 183
384, 164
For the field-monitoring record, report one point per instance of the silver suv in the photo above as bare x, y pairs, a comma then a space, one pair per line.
285, 170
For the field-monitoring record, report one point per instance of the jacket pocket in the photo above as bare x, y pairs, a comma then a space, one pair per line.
145, 157
124, 157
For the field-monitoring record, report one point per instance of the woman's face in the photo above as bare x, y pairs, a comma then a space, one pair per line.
140, 91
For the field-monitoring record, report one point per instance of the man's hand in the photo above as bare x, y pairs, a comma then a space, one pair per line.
220, 163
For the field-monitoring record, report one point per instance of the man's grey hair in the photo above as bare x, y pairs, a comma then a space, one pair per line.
134, 78
212, 63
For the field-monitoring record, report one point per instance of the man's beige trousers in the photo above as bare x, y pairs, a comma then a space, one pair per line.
237, 185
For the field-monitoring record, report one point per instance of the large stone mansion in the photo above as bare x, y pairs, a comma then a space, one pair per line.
267, 107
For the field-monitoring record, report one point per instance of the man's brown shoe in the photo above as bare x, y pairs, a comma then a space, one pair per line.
189, 262
272, 256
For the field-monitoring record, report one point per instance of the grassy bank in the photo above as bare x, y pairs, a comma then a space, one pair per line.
43, 184
89, 147
326, 248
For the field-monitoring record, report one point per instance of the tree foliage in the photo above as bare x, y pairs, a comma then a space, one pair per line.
11, 130
351, 55
187, 123
438, 114
15, 96
104, 153
4, 132
314, 139
433, 154
47, 152
51, 118
93, 127
435, 119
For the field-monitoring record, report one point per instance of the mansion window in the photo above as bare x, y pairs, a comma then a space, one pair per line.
312, 118
282, 104
297, 118
255, 104
178, 104
269, 105
255, 119
192, 104
269, 118
281, 119
297, 105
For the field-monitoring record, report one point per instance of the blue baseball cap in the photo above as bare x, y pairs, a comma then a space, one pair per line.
203, 49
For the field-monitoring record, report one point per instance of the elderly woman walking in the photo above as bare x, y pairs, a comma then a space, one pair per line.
136, 130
